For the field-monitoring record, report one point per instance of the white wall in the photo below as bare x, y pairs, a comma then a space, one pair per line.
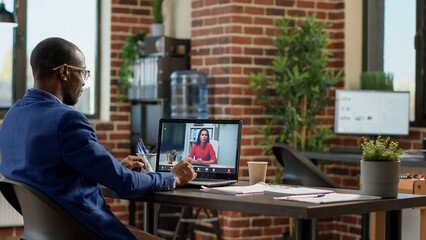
353, 44
105, 60
177, 18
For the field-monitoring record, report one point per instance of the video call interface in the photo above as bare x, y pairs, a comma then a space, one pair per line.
212, 147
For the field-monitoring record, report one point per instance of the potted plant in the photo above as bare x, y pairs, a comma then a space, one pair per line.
376, 81
380, 167
132, 50
174, 154
157, 28
171, 156
295, 92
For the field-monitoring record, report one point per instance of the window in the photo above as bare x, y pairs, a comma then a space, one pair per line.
6, 61
75, 21
420, 108
399, 54
393, 42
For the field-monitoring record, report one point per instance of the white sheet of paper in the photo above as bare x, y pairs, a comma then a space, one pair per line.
329, 198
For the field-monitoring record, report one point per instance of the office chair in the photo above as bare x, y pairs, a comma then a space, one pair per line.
299, 170
44, 219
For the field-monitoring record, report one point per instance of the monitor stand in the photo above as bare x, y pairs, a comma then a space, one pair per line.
346, 150
352, 150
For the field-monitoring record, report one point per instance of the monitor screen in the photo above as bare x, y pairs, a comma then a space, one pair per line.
372, 112
182, 138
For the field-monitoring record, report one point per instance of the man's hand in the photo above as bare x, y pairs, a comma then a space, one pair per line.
184, 172
134, 163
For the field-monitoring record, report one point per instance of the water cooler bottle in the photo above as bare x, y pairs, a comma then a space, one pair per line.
189, 95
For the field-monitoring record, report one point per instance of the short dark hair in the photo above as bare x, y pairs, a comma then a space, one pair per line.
50, 53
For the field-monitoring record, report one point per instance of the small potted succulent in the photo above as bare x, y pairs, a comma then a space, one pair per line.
380, 166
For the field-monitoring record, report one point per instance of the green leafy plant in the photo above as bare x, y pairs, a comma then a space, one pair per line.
296, 93
132, 50
380, 150
157, 6
376, 81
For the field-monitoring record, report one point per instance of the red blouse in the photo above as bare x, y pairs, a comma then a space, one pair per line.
205, 154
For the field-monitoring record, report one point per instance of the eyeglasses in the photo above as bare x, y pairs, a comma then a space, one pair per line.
85, 74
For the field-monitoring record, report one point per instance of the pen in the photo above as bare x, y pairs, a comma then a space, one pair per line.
300, 196
308, 195
140, 149
142, 146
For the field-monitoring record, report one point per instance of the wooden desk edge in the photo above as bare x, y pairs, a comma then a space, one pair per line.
265, 205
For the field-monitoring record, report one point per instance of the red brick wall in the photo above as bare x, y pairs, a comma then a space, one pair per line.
229, 40
232, 38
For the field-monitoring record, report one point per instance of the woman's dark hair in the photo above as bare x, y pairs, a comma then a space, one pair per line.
199, 134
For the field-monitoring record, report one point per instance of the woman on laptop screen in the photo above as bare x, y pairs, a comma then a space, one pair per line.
202, 152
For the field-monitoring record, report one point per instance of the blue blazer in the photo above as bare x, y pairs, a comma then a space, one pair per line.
54, 148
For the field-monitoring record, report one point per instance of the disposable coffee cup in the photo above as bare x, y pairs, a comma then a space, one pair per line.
257, 171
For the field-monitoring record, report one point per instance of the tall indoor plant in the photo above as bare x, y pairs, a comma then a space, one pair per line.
297, 91
380, 166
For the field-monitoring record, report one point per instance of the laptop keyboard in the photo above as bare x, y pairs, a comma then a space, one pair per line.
208, 180
212, 182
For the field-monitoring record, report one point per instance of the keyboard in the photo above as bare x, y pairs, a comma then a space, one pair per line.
212, 182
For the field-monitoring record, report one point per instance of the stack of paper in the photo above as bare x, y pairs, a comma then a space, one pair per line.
328, 198
283, 190
237, 190
290, 193
275, 190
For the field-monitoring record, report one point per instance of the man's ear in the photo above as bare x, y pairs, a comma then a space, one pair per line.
64, 73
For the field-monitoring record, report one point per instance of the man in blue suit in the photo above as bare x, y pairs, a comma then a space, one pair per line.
49, 145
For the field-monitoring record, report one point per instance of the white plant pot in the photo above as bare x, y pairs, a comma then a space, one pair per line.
380, 178
157, 29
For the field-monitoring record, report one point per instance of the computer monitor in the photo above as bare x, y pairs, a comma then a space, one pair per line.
368, 112
178, 138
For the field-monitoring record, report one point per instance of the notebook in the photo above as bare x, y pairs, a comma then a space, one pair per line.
214, 146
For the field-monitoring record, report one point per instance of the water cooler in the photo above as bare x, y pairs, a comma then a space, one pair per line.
189, 95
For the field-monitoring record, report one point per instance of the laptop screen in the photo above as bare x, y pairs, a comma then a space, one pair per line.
213, 145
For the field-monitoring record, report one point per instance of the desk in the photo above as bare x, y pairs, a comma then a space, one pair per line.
305, 213
412, 165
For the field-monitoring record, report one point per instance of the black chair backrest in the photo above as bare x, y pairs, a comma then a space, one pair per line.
298, 170
9, 194
44, 219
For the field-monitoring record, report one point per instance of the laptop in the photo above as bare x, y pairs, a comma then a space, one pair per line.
214, 146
